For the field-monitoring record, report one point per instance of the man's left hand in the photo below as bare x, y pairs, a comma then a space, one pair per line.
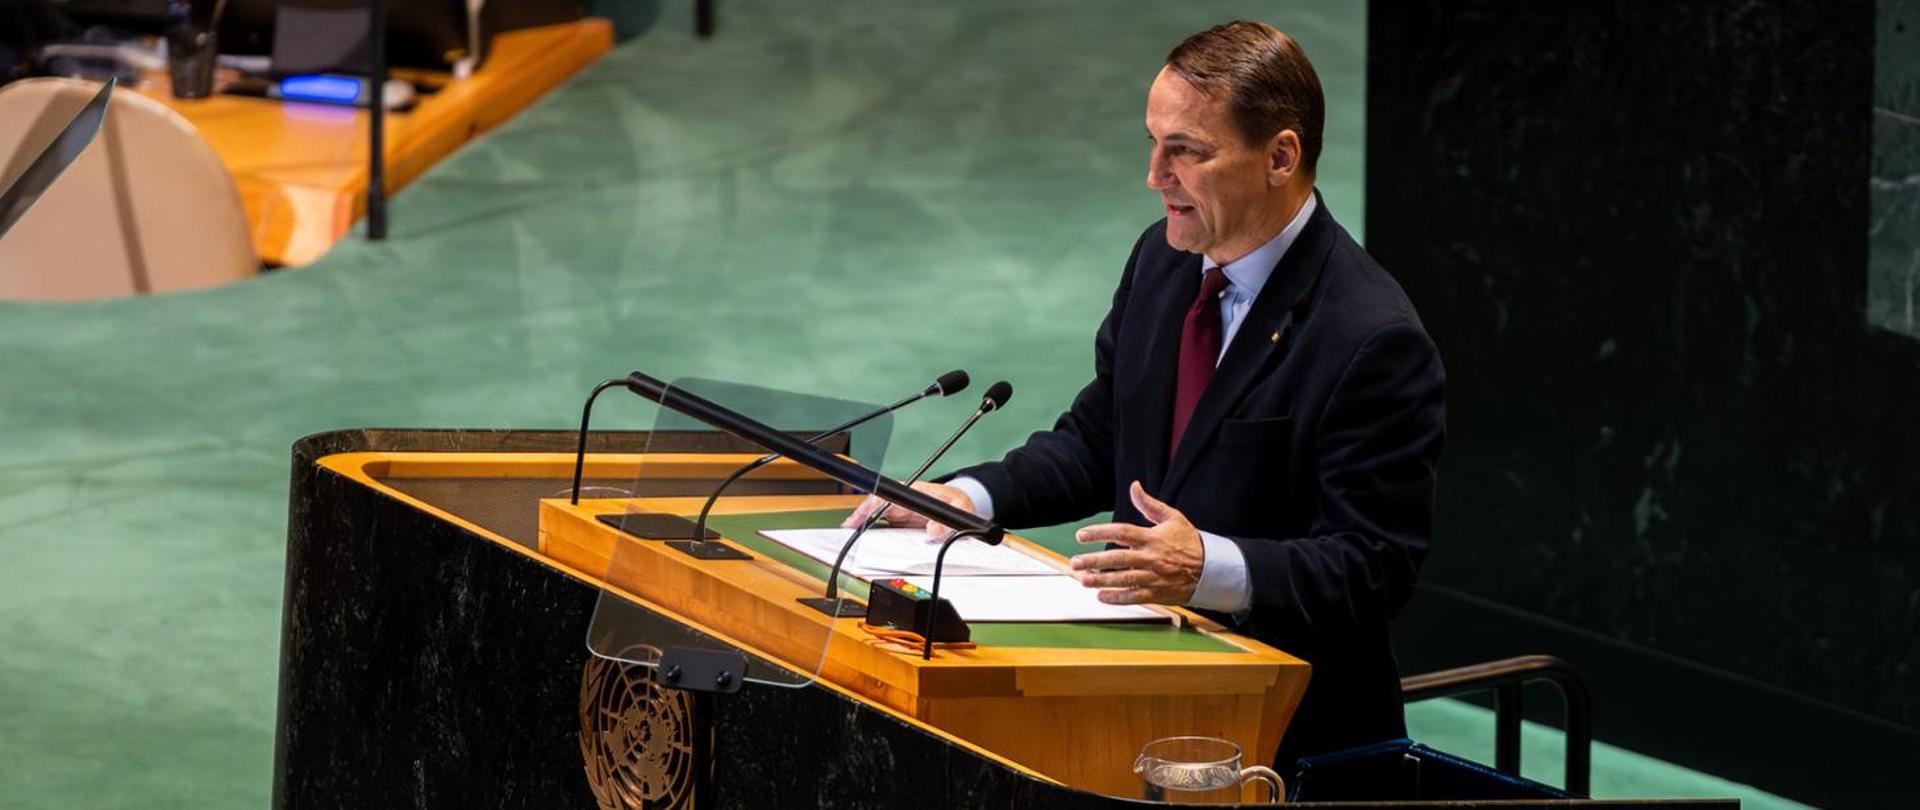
1159, 565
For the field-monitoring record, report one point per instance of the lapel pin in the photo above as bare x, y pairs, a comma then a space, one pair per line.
1274, 338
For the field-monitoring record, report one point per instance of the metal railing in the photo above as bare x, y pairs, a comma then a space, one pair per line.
1505, 679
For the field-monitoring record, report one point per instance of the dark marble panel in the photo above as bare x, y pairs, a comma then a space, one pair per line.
1893, 278
421, 667
1673, 709
1896, 56
1639, 235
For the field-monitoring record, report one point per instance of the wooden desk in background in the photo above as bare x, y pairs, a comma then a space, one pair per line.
302, 168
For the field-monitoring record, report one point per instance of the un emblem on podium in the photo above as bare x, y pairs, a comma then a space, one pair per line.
636, 739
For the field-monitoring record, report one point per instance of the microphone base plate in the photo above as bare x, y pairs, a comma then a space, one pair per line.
654, 526
708, 551
837, 608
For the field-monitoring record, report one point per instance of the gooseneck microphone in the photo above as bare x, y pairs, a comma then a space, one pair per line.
848, 472
952, 382
586, 413
996, 398
939, 562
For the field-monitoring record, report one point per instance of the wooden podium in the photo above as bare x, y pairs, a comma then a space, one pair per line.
1069, 702
441, 592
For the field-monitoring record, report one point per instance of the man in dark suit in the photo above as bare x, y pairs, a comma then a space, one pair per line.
1266, 410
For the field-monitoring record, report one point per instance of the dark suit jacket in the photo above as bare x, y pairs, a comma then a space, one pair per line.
1313, 449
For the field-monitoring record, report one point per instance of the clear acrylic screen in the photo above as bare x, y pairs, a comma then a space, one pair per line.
745, 605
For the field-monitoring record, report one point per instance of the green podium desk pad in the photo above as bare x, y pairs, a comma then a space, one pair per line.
744, 529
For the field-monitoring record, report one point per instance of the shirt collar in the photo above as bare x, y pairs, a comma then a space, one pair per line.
1249, 273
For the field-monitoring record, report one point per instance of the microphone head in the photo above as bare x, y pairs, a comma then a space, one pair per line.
950, 383
997, 395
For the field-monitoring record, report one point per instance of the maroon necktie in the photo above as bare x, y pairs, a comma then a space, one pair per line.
1199, 348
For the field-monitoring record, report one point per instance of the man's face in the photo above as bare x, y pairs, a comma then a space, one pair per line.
1214, 186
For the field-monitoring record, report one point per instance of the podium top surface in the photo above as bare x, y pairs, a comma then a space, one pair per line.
467, 488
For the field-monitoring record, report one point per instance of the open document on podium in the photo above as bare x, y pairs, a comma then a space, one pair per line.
984, 583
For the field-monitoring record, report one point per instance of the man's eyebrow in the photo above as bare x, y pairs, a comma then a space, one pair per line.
1177, 136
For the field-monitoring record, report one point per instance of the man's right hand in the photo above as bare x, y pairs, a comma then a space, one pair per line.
905, 519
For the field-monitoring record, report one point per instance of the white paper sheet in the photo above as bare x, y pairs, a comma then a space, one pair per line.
984, 583
1058, 598
901, 552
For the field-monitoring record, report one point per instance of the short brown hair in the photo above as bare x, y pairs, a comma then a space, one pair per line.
1269, 83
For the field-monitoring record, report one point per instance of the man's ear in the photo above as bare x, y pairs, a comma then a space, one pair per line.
1283, 157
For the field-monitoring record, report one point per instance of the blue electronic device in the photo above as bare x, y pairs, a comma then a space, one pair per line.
328, 88
323, 89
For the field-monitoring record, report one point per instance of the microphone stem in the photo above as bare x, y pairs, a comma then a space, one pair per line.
586, 413
933, 609
928, 464
700, 523
833, 575
848, 472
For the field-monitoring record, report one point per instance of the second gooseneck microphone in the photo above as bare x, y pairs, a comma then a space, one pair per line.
995, 398
952, 382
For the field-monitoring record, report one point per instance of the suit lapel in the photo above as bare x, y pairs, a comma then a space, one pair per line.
1258, 345
1156, 389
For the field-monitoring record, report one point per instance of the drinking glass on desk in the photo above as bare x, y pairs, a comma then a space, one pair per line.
1200, 770
191, 52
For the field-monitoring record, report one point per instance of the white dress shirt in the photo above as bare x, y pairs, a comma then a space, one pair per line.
1223, 575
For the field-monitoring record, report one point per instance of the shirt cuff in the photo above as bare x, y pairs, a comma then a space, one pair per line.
1223, 578
982, 500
